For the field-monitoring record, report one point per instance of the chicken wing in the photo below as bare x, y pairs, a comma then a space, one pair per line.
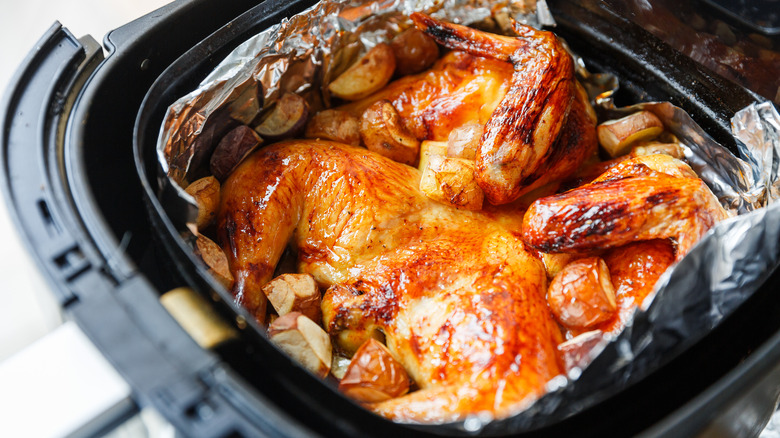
521, 132
642, 198
458, 298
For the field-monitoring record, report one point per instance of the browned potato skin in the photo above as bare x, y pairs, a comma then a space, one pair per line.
295, 293
650, 148
232, 149
374, 375
367, 75
463, 141
336, 125
206, 194
429, 148
617, 136
414, 51
383, 132
452, 181
286, 120
303, 340
216, 259
582, 295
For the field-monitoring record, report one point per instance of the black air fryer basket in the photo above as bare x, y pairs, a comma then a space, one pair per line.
107, 234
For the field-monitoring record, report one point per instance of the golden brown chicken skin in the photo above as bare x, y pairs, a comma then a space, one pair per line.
539, 125
458, 298
520, 135
459, 88
643, 198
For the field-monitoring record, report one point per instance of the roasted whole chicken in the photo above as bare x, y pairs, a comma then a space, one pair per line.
460, 298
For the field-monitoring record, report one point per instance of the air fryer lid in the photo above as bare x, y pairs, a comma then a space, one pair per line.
642, 76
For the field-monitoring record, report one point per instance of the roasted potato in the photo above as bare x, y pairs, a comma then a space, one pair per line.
215, 259
451, 181
334, 125
383, 132
651, 148
374, 375
286, 120
232, 149
429, 148
304, 341
370, 73
463, 141
339, 366
582, 295
295, 293
206, 194
414, 51
555, 262
618, 136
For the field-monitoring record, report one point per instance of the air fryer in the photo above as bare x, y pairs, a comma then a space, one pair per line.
81, 177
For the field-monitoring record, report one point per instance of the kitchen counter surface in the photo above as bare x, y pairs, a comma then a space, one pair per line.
28, 311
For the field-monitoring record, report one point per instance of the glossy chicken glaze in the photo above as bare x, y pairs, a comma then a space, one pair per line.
459, 88
644, 198
520, 134
458, 298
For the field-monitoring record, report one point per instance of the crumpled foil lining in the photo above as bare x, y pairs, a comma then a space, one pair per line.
723, 270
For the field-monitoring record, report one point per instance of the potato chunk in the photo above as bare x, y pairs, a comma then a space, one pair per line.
334, 125
286, 120
304, 341
374, 375
295, 293
215, 259
652, 148
383, 132
582, 294
206, 194
617, 136
429, 148
232, 149
463, 141
414, 51
366, 76
451, 181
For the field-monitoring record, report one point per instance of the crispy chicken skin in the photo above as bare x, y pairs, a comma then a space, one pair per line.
539, 125
458, 89
458, 298
643, 198
520, 135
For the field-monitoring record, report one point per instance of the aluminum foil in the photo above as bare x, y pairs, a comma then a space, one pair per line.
303, 53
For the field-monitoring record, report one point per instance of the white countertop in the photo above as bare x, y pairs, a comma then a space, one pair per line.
28, 311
